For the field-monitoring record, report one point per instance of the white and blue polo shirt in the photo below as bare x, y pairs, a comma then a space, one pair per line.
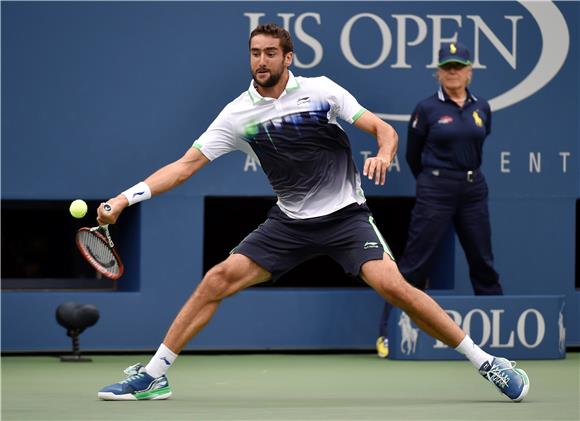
298, 142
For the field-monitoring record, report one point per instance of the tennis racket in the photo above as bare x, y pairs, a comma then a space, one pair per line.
97, 247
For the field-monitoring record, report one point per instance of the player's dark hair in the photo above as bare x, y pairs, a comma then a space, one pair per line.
275, 31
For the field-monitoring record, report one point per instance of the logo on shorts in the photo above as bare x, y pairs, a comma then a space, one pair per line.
371, 245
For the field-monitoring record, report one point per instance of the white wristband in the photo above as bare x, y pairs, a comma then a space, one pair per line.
137, 193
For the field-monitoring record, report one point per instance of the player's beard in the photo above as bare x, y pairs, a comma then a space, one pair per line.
271, 81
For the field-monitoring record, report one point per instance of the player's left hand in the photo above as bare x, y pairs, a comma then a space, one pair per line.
376, 169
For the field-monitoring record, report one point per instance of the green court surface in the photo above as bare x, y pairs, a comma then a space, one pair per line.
288, 387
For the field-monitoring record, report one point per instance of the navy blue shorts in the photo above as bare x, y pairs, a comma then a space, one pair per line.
349, 236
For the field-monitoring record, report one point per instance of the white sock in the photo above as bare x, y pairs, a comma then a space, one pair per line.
475, 354
161, 361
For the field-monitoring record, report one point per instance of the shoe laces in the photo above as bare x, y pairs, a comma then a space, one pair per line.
498, 376
133, 372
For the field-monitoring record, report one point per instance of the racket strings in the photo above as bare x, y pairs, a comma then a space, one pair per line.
99, 251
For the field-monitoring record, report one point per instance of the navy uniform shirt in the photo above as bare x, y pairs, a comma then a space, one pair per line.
443, 135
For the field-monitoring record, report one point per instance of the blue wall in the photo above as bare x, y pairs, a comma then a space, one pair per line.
133, 84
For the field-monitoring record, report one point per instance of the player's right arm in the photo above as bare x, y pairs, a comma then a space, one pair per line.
172, 175
219, 138
164, 179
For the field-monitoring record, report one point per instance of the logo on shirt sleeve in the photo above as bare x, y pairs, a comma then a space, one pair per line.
303, 100
477, 119
415, 121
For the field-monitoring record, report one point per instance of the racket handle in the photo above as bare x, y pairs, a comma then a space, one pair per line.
105, 227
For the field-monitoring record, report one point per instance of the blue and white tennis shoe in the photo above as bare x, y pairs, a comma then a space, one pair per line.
137, 386
510, 381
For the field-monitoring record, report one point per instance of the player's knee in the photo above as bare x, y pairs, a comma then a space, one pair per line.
392, 288
216, 284
390, 276
396, 290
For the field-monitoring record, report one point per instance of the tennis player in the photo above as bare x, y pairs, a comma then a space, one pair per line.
289, 124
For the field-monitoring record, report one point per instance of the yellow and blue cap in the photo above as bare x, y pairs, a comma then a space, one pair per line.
454, 52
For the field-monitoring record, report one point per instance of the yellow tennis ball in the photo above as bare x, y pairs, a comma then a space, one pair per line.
78, 208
